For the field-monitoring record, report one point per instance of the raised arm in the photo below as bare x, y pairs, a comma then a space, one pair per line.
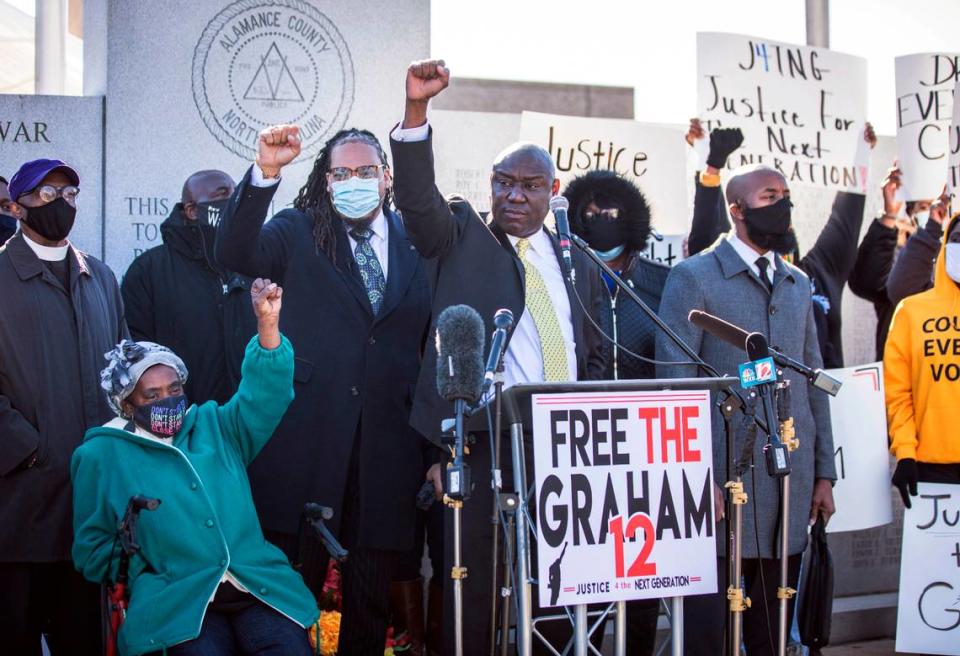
877, 251
709, 209
913, 271
430, 224
266, 384
244, 244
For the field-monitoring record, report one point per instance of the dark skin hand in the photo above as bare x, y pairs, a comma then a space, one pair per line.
20, 207
205, 187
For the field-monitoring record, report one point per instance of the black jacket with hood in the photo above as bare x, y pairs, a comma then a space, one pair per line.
176, 295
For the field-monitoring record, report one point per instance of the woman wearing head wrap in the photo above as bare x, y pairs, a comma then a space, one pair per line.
205, 580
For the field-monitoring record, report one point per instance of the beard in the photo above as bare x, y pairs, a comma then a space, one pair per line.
784, 243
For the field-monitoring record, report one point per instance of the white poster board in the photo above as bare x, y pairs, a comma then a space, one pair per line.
928, 608
953, 141
924, 84
611, 467
802, 109
653, 156
859, 422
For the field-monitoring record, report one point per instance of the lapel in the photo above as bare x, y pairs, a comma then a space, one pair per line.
511, 251
348, 270
781, 272
732, 264
403, 263
27, 265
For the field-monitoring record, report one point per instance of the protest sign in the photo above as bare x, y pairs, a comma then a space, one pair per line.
652, 156
953, 172
925, 85
624, 496
928, 609
859, 422
802, 110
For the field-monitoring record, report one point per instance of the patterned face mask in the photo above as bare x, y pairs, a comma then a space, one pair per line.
163, 418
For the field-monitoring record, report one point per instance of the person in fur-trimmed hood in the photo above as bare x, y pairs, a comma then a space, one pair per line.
612, 215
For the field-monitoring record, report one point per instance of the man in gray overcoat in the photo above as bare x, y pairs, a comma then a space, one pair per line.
743, 280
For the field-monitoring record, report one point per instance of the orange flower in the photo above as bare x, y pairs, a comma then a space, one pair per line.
329, 629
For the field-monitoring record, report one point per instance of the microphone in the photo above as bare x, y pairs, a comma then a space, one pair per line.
503, 322
559, 206
777, 456
737, 337
459, 354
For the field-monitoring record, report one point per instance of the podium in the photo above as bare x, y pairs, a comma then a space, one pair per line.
519, 415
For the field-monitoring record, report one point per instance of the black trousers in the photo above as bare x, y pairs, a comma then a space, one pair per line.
929, 472
642, 617
52, 599
476, 554
366, 575
704, 616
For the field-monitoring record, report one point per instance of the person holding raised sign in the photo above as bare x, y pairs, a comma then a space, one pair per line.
743, 280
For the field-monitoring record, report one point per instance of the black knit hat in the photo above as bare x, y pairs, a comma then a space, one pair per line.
607, 189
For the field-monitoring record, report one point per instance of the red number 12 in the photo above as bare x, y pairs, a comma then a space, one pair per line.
640, 566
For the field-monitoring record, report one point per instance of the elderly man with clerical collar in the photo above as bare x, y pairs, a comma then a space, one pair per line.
510, 262
743, 280
60, 311
177, 295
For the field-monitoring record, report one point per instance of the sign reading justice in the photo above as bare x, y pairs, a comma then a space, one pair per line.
624, 496
802, 110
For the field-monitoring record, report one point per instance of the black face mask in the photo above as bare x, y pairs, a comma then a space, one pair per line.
601, 233
769, 227
210, 213
163, 418
52, 221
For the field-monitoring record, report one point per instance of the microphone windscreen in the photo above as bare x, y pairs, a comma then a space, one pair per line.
718, 328
559, 203
756, 346
460, 353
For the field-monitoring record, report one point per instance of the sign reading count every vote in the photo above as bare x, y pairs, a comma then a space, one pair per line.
802, 110
624, 494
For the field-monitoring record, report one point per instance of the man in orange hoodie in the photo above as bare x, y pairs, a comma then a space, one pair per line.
922, 377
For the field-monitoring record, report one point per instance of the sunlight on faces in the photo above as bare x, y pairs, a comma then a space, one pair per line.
521, 186
353, 155
157, 383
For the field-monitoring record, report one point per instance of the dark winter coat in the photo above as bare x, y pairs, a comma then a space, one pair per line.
868, 280
354, 373
177, 296
914, 268
51, 352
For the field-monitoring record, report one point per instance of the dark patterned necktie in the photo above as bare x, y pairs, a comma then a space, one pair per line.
762, 264
370, 269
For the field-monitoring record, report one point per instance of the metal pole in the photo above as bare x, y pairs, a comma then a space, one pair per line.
50, 47
456, 573
580, 630
522, 579
620, 630
676, 626
495, 483
818, 23
785, 592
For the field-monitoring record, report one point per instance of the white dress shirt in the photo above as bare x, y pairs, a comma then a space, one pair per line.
47, 253
751, 256
379, 240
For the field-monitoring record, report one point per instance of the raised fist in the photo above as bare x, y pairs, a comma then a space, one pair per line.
723, 141
278, 146
266, 297
426, 78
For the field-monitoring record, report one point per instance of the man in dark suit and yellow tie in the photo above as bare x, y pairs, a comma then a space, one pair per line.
512, 262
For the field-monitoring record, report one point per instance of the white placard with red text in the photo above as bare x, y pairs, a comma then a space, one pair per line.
928, 608
624, 496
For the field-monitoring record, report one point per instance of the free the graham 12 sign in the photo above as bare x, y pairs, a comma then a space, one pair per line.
624, 494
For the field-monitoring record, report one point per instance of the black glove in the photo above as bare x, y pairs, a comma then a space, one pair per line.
905, 479
723, 141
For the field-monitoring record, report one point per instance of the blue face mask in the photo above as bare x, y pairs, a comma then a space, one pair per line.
356, 198
611, 254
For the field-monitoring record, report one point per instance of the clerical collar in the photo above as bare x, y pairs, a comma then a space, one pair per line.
47, 253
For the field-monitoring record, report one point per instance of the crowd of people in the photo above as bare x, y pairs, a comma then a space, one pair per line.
186, 384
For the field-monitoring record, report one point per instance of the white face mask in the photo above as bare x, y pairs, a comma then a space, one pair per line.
953, 261
921, 217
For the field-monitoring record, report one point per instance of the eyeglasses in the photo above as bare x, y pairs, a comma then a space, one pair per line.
341, 173
49, 193
610, 214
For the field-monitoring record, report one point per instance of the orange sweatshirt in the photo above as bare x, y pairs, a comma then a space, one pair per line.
922, 371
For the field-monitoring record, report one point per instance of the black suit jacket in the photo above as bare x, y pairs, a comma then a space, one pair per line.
354, 373
473, 262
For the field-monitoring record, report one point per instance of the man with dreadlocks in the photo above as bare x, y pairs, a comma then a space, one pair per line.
357, 313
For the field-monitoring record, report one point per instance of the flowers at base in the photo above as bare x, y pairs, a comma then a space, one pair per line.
325, 633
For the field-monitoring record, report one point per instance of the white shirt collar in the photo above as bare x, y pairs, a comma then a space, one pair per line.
539, 242
47, 253
751, 256
378, 226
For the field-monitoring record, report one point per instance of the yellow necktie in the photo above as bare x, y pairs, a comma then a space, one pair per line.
544, 315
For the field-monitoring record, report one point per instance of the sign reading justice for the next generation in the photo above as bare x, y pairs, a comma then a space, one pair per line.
624, 497
802, 110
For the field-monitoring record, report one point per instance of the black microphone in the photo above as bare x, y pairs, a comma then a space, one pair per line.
459, 354
559, 206
777, 456
737, 337
503, 323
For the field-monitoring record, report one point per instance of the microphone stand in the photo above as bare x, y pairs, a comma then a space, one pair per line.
496, 484
729, 403
787, 434
457, 489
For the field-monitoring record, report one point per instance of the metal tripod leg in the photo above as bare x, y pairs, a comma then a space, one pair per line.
522, 579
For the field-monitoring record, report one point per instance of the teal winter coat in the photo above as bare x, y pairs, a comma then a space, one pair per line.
206, 523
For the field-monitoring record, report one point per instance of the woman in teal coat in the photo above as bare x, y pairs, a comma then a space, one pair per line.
205, 581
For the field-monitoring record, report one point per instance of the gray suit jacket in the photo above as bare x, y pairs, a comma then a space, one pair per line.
719, 282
